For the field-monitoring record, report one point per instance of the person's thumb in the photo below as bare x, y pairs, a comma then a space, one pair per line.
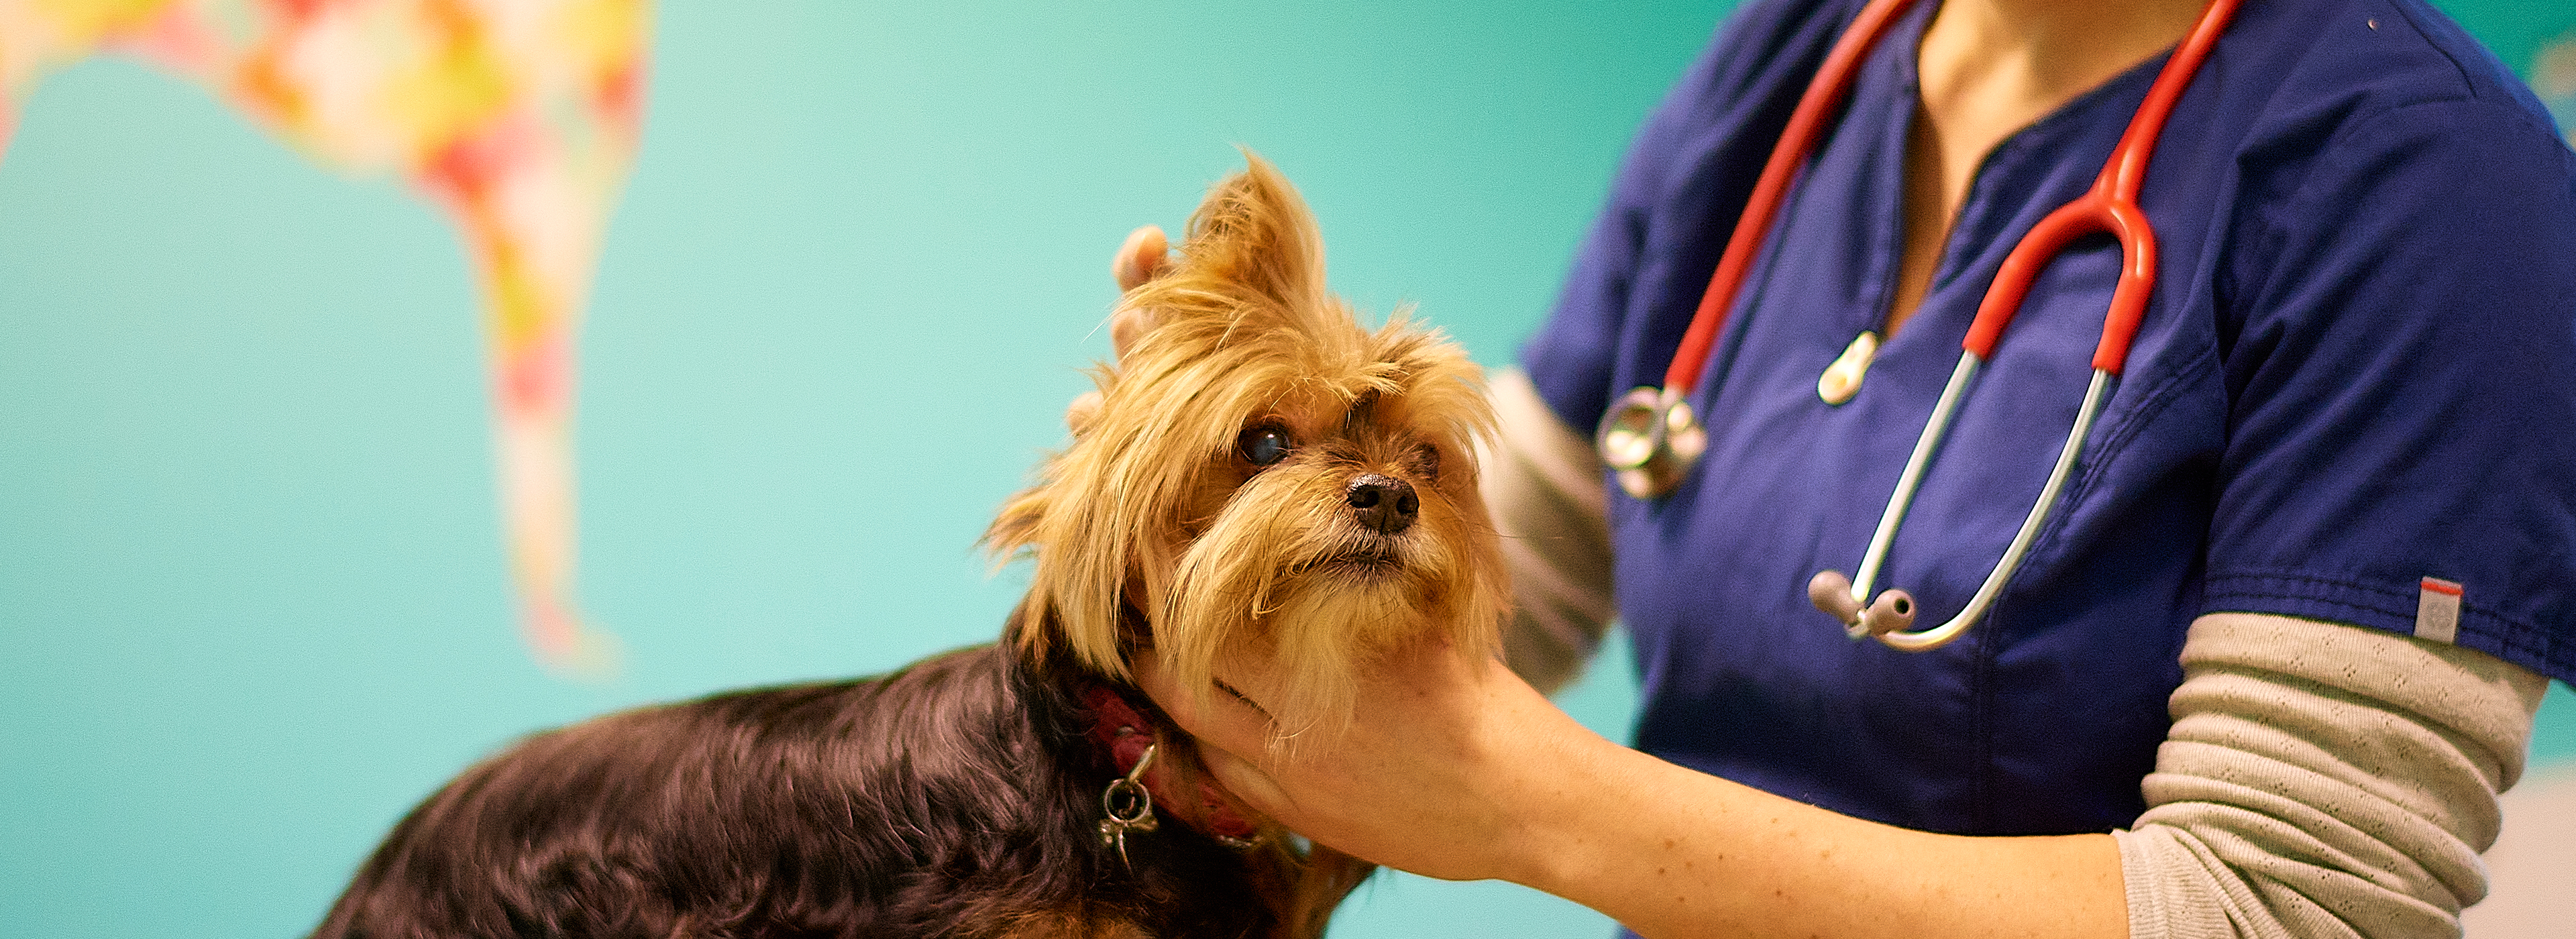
1248, 783
1140, 258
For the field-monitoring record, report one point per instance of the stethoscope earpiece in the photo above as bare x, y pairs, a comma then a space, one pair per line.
1651, 437
1892, 612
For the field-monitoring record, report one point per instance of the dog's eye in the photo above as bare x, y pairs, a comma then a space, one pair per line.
1262, 445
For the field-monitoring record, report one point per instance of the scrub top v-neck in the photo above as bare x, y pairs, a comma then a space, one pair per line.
2236, 466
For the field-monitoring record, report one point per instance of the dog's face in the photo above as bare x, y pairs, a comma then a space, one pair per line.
1264, 479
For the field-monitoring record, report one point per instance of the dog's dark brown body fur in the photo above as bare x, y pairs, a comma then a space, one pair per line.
957, 797
1261, 480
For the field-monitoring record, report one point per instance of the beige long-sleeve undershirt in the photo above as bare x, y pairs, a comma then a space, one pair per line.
2320, 780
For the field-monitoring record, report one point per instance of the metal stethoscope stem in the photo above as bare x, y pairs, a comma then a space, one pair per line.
1651, 438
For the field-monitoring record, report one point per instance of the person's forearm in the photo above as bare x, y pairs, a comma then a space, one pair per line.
1672, 853
1542, 482
1459, 770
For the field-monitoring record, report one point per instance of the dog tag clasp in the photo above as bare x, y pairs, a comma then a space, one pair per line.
1126, 805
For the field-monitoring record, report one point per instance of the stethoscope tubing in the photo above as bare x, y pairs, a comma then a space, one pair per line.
1825, 92
1639, 427
1934, 431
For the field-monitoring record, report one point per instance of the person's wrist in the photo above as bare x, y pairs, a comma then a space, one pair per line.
1554, 783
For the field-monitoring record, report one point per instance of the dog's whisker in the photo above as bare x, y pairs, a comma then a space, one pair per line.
1018, 773
1238, 695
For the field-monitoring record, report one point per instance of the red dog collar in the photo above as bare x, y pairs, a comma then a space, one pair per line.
1123, 731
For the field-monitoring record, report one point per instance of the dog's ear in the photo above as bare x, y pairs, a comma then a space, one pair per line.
1098, 523
1072, 522
1252, 257
1254, 233
1240, 311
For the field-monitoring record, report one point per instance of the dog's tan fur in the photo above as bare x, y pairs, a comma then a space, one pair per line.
961, 796
1153, 514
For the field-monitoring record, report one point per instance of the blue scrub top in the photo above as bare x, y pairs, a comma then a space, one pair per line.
2358, 371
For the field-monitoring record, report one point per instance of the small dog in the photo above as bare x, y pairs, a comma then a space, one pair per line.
1264, 479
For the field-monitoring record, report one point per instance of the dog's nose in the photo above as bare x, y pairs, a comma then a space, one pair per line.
1384, 503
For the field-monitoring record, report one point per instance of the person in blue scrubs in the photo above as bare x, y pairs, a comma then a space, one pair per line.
2286, 629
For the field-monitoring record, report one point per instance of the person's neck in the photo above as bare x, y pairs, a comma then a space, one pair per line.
1991, 67
2031, 56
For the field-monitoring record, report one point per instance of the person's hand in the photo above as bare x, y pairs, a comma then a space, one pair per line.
1405, 786
1443, 748
1144, 255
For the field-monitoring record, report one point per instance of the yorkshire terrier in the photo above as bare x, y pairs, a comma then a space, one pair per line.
1263, 480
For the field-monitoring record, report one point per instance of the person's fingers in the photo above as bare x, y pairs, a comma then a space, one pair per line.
1126, 326
1225, 725
1215, 716
1140, 258
1084, 409
1246, 781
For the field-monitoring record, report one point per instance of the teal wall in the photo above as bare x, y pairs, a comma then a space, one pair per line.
252, 603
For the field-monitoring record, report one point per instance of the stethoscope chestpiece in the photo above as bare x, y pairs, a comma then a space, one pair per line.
1651, 438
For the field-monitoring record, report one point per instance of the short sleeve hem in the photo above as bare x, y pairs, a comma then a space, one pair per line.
2307, 595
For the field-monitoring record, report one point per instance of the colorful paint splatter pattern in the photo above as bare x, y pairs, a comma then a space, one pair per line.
519, 118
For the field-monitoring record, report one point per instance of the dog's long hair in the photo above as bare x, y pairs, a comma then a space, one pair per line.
1153, 509
1264, 479
942, 800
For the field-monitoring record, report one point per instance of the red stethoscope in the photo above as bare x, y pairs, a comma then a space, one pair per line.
1651, 437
